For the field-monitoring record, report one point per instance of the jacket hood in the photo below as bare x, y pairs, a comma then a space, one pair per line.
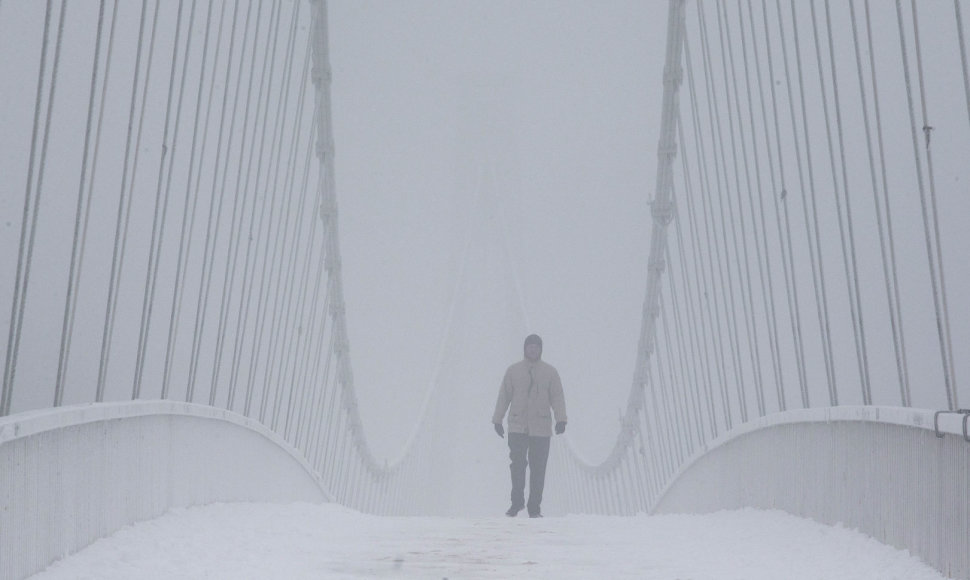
532, 339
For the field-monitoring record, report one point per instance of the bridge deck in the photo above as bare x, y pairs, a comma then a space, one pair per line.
328, 541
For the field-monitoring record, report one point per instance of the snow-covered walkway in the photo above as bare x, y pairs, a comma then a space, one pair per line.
239, 541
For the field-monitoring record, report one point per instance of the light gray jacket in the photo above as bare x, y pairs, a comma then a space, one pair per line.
528, 392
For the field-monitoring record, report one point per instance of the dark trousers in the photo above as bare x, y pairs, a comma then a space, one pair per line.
534, 452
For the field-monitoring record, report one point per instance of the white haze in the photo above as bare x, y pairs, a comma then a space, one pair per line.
559, 103
528, 130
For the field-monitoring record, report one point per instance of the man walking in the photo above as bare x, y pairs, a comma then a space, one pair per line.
530, 388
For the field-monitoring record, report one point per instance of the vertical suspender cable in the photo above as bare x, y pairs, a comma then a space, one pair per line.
640, 475
669, 383
28, 224
686, 340
94, 170
700, 268
134, 169
648, 429
614, 494
168, 177
710, 231
124, 206
691, 373
849, 257
846, 229
744, 274
213, 208
188, 217
943, 313
320, 382
298, 278
781, 396
723, 265
255, 227
812, 226
662, 211
239, 201
302, 372
271, 196
307, 335
258, 237
665, 419
215, 204
41, 171
963, 54
324, 429
930, 253
835, 188
342, 475
287, 274
283, 228
626, 479
322, 77
662, 207
295, 284
696, 321
338, 462
781, 193
299, 339
158, 223
201, 161
650, 472
661, 432
314, 411
677, 384
906, 398
73, 270
763, 254
895, 322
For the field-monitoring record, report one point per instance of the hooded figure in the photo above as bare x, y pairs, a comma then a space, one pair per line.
531, 393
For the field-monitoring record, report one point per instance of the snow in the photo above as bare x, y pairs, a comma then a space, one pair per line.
301, 540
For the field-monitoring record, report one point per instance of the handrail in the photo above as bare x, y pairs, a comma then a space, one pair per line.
936, 422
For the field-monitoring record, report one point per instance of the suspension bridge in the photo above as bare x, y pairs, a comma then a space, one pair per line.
177, 333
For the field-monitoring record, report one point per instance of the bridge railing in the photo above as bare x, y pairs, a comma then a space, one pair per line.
170, 224
900, 475
808, 221
807, 227
72, 475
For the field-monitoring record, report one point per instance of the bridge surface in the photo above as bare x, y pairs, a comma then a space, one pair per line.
313, 541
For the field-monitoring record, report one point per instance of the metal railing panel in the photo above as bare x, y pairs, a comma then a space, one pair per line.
72, 475
880, 470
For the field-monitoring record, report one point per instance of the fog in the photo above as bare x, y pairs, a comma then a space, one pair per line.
550, 112
547, 110
494, 163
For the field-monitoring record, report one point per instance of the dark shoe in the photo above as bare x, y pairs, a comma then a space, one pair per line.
535, 515
513, 511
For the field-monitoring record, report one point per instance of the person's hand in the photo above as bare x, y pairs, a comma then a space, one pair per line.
499, 429
560, 427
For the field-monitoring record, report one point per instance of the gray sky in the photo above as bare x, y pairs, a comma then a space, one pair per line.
532, 124
560, 100
494, 164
